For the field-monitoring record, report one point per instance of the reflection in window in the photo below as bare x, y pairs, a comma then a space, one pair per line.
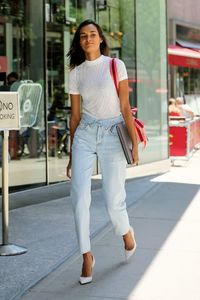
21, 31
190, 79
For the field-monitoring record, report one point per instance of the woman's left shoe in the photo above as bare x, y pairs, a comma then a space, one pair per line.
85, 280
129, 253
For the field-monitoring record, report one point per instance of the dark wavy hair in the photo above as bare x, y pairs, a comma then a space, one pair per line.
76, 54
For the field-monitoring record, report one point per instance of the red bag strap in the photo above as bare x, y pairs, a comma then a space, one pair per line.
139, 125
114, 74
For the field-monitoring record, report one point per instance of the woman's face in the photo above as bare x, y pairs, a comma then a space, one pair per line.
90, 39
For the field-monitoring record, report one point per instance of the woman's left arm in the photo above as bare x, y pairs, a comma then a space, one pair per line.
128, 118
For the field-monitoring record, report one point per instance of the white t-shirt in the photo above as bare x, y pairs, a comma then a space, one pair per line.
93, 81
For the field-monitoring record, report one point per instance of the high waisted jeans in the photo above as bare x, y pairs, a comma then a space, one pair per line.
98, 138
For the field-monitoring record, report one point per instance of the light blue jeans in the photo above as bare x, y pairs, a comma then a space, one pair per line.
98, 138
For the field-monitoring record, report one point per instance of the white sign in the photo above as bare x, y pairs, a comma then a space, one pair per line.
9, 111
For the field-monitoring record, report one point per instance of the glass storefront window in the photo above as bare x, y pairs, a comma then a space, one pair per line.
21, 27
152, 76
128, 16
136, 33
189, 34
63, 16
117, 20
188, 81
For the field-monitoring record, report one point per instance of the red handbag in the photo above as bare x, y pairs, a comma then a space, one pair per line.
139, 125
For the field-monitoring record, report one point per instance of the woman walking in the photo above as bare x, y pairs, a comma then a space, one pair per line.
96, 108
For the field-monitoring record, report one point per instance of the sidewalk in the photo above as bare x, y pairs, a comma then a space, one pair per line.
165, 213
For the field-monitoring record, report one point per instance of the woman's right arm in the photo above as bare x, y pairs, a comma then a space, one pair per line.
74, 121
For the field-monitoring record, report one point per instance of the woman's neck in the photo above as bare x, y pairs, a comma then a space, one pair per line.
92, 56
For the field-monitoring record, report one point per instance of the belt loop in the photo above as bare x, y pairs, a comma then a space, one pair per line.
111, 128
99, 133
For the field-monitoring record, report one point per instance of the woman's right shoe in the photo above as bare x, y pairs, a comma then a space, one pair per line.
85, 280
129, 253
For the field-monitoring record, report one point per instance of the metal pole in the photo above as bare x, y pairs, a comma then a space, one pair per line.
5, 203
109, 18
6, 248
46, 96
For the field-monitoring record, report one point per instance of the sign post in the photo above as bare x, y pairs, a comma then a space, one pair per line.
9, 119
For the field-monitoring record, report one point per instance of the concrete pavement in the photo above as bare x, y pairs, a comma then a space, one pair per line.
165, 213
46, 229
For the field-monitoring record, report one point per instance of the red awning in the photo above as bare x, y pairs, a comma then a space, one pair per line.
183, 57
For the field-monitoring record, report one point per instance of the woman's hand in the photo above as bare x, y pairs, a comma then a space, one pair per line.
68, 169
135, 155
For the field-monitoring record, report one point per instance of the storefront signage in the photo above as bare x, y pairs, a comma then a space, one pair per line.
9, 111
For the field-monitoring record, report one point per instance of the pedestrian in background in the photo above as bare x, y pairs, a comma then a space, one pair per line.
185, 109
173, 109
11, 78
93, 134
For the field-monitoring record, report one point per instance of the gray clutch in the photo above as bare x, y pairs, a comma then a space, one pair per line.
125, 142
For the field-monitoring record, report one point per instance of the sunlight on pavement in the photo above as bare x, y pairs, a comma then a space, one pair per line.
179, 173
169, 270
172, 264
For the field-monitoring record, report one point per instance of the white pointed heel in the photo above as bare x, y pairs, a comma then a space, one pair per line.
129, 253
85, 280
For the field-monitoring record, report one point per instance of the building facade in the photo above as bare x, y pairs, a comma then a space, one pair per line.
35, 37
184, 50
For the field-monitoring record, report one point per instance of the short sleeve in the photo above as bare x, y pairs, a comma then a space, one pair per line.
73, 82
121, 70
